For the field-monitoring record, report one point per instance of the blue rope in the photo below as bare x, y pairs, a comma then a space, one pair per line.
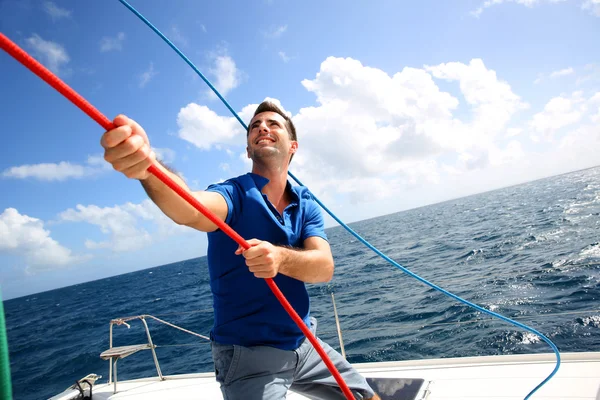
356, 235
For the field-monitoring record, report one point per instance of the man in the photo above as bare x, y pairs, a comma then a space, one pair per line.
258, 351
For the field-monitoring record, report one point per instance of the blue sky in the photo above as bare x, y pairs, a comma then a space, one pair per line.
397, 105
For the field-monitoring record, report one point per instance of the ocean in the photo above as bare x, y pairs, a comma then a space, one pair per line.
530, 252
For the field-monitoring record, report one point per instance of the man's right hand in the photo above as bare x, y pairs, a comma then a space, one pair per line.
127, 148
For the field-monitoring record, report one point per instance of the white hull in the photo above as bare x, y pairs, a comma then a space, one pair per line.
495, 377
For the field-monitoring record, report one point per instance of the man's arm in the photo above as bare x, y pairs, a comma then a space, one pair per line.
178, 209
312, 264
127, 148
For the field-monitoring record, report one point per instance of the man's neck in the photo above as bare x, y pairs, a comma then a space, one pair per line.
275, 189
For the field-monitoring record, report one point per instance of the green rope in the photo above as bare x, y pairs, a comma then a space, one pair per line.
5, 386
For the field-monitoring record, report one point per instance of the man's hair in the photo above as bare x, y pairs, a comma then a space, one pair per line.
268, 105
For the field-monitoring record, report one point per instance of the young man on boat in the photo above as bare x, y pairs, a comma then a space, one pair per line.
258, 351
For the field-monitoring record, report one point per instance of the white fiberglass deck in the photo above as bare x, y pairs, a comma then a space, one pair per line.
496, 377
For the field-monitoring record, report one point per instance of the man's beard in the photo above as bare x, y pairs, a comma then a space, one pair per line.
265, 154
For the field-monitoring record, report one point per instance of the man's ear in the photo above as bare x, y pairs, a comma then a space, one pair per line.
294, 146
247, 152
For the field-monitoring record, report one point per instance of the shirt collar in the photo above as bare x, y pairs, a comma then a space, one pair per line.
260, 182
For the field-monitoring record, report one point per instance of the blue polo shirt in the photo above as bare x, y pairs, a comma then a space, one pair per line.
247, 313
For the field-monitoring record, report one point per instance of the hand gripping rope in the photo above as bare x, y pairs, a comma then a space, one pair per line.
352, 232
20, 55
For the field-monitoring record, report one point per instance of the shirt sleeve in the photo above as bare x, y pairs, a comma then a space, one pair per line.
314, 224
230, 192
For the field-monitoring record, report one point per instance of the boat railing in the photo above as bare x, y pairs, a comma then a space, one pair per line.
113, 354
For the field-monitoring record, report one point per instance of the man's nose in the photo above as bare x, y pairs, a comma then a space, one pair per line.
263, 127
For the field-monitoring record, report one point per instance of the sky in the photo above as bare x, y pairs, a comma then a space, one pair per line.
397, 104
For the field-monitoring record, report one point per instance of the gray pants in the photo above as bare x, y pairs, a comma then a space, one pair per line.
266, 373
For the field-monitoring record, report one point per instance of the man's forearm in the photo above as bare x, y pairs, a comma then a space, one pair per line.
167, 200
310, 266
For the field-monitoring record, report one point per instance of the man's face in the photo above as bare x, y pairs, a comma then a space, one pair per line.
268, 137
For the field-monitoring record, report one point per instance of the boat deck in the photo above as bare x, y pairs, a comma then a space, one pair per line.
496, 377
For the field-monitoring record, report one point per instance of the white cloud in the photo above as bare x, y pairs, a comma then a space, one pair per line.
122, 224
491, 156
528, 3
112, 43
477, 159
558, 113
26, 237
178, 37
116, 221
275, 32
147, 76
58, 172
388, 130
243, 157
411, 93
555, 74
55, 12
52, 54
165, 155
595, 107
284, 57
225, 73
97, 161
579, 148
202, 127
511, 132
593, 6
589, 75
493, 101
47, 172
562, 72
372, 135
384, 124
203, 27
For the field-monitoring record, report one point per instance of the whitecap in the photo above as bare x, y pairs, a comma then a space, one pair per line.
591, 251
474, 253
577, 207
560, 263
518, 301
556, 232
521, 285
530, 338
594, 321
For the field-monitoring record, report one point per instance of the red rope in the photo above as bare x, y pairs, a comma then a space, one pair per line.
20, 55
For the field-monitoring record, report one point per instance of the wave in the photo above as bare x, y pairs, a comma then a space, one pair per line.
591, 251
593, 321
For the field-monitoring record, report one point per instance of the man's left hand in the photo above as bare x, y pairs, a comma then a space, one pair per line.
262, 258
